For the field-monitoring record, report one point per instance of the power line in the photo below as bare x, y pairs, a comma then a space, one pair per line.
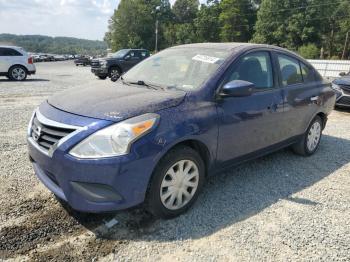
289, 9
249, 25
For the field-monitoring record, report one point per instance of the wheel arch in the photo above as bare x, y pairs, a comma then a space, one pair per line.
196, 145
115, 66
18, 65
323, 117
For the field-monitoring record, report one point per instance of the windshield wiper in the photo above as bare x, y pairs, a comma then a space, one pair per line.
143, 83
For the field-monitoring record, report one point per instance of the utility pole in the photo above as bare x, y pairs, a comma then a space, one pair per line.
156, 47
345, 46
157, 23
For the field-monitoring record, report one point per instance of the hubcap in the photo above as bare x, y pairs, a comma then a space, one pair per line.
314, 136
115, 73
18, 73
179, 184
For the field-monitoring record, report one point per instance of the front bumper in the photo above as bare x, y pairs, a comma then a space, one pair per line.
343, 98
99, 71
94, 185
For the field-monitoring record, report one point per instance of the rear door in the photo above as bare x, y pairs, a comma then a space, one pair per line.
9, 57
301, 92
251, 123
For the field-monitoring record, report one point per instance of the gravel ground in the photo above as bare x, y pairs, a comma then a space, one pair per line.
281, 207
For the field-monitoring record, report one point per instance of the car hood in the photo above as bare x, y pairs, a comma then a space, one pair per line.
115, 103
342, 81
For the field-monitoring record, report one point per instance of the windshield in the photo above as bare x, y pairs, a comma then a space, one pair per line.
120, 53
182, 68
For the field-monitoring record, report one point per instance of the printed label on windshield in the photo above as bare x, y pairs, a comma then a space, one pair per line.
206, 59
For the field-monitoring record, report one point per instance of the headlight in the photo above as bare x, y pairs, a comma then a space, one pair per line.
336, 87
103, 63
116, 139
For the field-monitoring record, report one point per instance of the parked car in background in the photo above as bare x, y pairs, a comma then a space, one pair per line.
36, 58
118, 63
82, 60
342, 87
59, 58
15, 63
47, 58
174, 119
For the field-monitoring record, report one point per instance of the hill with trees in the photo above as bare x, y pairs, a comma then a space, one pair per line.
313, 28
54, 45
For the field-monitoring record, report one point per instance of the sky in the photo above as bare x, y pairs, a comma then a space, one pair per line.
86, 19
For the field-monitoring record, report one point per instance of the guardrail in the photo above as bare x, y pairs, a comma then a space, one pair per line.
331, 68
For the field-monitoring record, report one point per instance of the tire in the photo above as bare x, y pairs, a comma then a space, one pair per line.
313, 136
114, 73
102, 77
170, 205
76, 65
18, 73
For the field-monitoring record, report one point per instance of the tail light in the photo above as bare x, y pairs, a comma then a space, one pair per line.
30, 60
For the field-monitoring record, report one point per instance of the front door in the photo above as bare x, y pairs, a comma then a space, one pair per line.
131, 59
250, 123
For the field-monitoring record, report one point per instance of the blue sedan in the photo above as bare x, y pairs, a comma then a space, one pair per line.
174, 119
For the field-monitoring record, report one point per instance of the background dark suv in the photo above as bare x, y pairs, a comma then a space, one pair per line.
118, 63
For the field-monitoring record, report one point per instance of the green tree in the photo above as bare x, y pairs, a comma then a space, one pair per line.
185, 11
182, 29
237, 20
309, 51
207, 22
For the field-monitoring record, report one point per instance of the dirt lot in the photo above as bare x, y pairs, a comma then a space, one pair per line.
280, 207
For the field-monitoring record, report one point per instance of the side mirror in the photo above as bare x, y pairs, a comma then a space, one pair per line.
342, 74
237, 88
127, 57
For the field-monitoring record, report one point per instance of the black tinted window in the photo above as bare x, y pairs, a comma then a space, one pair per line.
255, 68
290, 70
308, 73
9, 52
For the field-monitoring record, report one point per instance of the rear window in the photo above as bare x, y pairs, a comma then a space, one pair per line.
9, 52
290, 70
308, 73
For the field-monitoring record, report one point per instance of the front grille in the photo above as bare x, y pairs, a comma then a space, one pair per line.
346, 89
47, 135
345, 100
95, 63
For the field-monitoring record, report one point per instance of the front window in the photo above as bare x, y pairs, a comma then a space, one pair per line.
180, 68
255, 68
120, 53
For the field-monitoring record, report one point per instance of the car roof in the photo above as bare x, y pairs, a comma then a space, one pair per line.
243, 46
11, 46
232, 45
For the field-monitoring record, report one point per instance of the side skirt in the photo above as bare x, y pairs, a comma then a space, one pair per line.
262, 152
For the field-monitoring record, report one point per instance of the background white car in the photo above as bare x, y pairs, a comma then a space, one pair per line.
15, 63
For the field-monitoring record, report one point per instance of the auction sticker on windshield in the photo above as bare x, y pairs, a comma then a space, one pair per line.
206, 59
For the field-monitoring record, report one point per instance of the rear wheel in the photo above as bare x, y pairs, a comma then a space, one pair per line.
17, 73
176, 183
310, 141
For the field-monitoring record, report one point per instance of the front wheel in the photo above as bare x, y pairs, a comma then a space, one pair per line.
18, 73
176, 183
114, 74
311, 139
